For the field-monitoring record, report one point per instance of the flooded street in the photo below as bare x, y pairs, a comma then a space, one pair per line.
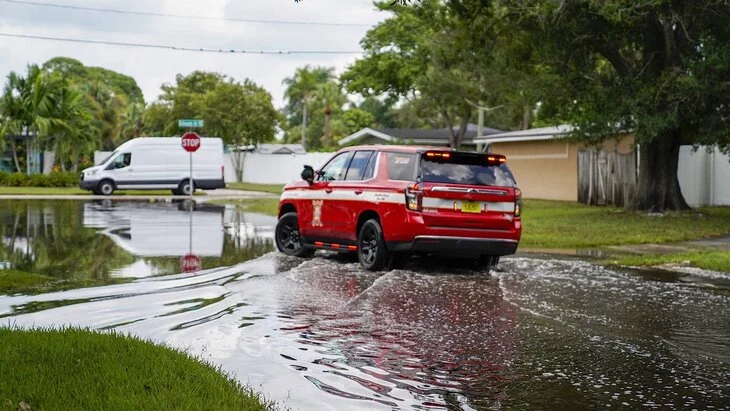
541, 333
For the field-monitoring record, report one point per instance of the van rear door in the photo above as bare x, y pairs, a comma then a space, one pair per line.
467, 191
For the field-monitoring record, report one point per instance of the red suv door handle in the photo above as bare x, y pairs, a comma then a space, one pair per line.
358, 192
327, 190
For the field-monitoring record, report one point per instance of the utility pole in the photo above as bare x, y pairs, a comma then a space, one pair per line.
482, 110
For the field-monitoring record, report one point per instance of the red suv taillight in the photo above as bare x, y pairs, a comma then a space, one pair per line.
414, 198
518, 203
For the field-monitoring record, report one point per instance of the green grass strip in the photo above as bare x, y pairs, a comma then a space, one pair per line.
78, 369
265, 188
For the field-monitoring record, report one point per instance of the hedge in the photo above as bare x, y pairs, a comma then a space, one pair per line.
55, 179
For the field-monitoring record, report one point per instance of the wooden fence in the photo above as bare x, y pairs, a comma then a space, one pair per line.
606, 177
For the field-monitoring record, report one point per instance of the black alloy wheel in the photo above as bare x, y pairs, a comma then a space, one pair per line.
372, 253
288, 239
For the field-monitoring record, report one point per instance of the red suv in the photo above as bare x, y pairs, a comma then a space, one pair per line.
386, 202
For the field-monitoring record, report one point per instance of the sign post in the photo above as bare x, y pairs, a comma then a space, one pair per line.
191, 143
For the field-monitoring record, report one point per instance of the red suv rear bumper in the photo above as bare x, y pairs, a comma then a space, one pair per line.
466, 246
416, 236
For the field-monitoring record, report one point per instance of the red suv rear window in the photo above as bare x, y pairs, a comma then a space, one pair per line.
468, 170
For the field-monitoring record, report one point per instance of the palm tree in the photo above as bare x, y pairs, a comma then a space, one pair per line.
330, 96
73, 119
28, 102
301, 86
107, 109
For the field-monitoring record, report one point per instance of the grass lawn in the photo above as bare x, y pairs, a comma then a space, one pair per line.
77, 191
555, 224
77, 369
266, 188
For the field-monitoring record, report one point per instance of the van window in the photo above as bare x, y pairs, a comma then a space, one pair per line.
358, 165
123, 160
401, 166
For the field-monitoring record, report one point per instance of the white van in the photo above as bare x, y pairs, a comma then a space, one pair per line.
151, 163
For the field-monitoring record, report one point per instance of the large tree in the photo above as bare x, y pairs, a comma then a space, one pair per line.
657, 68
241, 113
418, 55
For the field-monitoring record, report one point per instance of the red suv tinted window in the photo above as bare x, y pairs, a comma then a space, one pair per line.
455, 172
401, 166
359, 166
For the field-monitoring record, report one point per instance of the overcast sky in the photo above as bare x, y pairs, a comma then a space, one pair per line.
152, 67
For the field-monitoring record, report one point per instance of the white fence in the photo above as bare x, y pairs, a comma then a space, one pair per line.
704, 176
276, 168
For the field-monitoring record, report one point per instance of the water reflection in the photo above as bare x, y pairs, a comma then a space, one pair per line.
404, 339
123, 238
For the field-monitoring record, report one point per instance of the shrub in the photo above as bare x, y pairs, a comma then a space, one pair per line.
55, 179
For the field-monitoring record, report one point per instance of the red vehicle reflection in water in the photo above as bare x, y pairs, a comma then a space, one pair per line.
432, 336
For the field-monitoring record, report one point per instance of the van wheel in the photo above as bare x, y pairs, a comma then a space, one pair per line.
371, 249
184, 188
288, 238
106, 188
175, 192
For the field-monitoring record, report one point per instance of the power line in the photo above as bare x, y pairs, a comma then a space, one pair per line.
177, 48
183, 16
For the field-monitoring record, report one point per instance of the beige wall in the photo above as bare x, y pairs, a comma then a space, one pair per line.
548, 169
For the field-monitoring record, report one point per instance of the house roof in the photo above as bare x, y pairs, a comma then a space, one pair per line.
272, 148
534, 134
417, 136
280, 149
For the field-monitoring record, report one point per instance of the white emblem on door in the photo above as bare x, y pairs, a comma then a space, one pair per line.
317, 217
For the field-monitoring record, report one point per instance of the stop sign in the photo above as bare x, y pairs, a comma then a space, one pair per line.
191, 142
190, 263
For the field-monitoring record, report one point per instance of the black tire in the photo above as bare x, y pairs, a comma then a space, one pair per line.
288, 239
371, 250
175, 192
184, 188
106, 187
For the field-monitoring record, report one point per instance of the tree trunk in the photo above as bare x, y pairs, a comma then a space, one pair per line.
239, 167
15, 155
526, 117
304, 125
658, 189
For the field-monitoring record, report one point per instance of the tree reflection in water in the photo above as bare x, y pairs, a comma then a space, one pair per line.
67, 241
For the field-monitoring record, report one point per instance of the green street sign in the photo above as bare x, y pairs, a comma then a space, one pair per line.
187, 123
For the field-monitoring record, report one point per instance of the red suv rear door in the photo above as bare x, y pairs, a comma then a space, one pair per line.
467, 191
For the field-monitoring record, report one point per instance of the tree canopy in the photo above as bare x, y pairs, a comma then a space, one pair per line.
654, 68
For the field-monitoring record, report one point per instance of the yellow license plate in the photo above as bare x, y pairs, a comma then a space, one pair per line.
471, 207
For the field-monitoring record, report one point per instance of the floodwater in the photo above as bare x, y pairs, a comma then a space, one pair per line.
541, 333
108, 240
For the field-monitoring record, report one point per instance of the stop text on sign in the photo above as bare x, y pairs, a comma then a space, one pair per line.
190, 142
